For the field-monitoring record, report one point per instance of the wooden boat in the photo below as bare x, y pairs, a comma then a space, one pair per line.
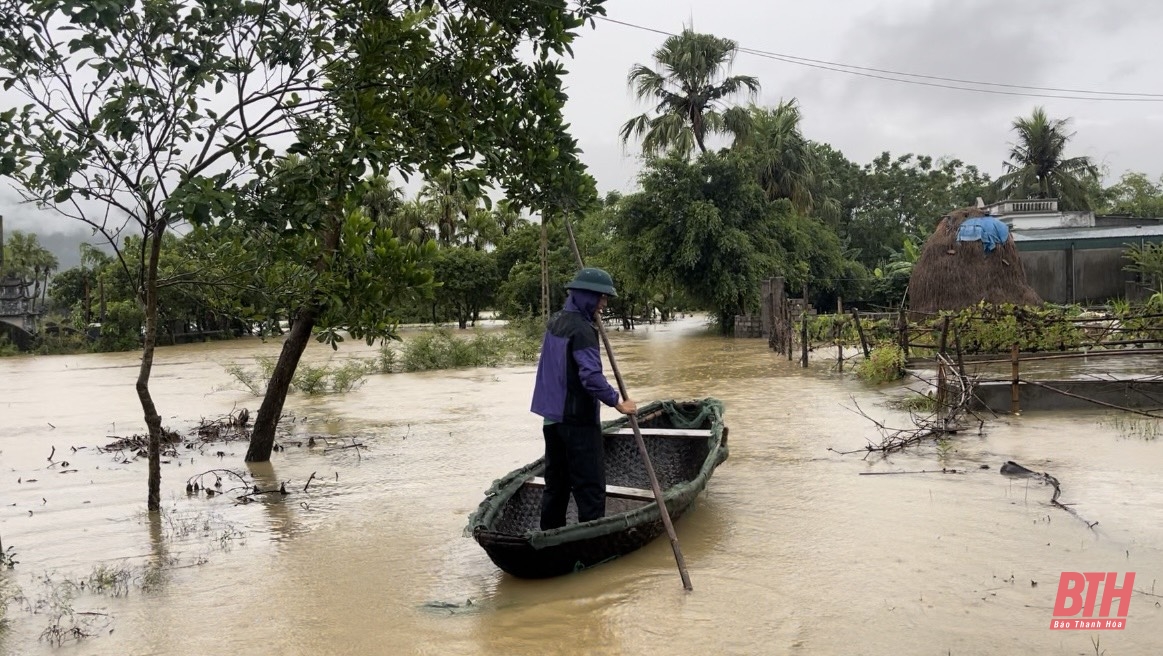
686, 441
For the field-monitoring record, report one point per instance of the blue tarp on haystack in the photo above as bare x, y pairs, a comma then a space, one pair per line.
985, 229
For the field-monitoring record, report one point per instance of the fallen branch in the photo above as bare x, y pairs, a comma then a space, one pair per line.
923, 471
1012, 469
309, 481
354, 445
249, 496
945, 421
197, 482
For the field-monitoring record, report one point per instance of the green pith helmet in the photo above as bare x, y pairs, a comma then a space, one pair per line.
595, 280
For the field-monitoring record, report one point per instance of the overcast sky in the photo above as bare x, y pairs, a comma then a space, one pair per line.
1109, 46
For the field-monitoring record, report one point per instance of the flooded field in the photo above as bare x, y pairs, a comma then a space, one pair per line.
790, 550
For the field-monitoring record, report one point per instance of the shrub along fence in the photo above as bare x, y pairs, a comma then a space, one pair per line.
888, 343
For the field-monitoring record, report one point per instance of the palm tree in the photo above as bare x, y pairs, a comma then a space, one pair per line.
689, 87
1038, 166
507, 216
790, 166
480, 229
414, 221
382, 200
453, 202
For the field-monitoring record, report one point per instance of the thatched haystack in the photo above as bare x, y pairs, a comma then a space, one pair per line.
953, 275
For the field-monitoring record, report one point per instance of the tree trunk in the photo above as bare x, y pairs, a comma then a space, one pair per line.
35, 288
544, 269
152, 419
262, 439
699, 127
101, 296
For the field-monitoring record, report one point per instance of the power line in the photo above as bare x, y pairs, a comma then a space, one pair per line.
902, 77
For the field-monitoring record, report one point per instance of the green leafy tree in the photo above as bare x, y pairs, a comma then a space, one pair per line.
707, 228
1038, 166
441, 89
704, 226
1135, 195
893, 198
179, 101
468, 281
690, 88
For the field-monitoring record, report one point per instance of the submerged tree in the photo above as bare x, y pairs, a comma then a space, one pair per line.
690, 88
1038, 166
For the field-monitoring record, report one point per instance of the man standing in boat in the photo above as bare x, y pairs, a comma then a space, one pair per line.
570, 385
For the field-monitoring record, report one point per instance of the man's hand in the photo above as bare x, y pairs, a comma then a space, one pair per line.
627, 407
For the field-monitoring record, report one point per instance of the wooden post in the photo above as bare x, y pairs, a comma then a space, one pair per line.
837, 328
1015, 404
804, 329
903, 327
767, 311
960, 355
942, 383
789, 323
944, 336
791, 332
860, 331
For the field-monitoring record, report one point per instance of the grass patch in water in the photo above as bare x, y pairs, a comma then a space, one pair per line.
310, 379
65, 600
1133, 426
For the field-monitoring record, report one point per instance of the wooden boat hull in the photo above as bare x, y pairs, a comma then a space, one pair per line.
686, 441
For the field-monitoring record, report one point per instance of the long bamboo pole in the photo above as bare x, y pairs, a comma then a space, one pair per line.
686, 579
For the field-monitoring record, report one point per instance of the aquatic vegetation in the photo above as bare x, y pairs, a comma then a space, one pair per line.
1133, 426
7, 557
916, 403
310, 379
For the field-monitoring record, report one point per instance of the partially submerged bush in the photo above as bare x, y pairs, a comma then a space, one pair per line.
916, 403
441, 349
886, 363
309, 378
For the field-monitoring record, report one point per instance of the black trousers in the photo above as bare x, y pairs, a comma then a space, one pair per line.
574, 462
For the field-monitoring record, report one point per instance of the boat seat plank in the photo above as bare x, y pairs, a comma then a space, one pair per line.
663, 432
616, 491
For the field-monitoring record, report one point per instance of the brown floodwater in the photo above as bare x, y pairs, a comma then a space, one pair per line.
790, 549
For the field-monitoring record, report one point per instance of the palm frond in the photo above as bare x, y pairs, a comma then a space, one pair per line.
645, 82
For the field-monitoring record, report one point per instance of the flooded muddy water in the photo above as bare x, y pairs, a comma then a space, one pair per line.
790, 549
